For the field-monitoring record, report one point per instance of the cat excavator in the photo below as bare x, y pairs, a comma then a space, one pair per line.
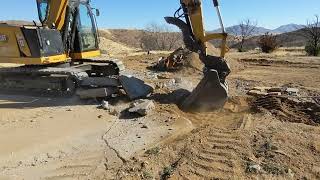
58, 54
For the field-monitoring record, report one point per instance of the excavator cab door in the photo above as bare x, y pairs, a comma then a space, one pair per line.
86, 38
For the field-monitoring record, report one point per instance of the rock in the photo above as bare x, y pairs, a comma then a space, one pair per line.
178, 80
172, 82
105, 105
97, 93
261, 88
135, 88
254, 168
142, 107
100, 82
114, 112
290, 173
144, 127
292, 91
274, 93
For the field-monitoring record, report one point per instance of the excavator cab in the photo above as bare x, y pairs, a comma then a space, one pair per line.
78, 29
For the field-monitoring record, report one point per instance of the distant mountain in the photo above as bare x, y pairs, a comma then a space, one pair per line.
236, 30
287, 28
17, 22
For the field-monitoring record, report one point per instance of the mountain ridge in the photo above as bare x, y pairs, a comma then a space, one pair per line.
236, 30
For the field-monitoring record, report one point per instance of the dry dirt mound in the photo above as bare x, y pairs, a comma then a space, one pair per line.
112, 48
181, 60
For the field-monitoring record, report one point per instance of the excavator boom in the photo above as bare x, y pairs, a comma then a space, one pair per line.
212, 91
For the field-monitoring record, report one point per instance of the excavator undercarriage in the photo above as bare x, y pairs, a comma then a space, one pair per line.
58, 55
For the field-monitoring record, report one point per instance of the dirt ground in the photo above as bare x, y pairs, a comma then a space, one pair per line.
58, 138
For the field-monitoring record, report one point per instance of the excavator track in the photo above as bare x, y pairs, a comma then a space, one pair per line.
43, 81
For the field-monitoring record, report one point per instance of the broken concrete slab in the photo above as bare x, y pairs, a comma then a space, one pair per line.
257, 93
274, 93
142, 107
100, 82
134, 87
261, 88
97, 93
276, 89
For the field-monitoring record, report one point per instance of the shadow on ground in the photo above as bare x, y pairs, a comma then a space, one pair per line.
27, 102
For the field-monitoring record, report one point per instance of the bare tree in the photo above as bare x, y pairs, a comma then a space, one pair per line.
312, 33
244, 30
160, 37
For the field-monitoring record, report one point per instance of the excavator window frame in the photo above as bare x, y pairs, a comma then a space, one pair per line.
77, 42
43, 17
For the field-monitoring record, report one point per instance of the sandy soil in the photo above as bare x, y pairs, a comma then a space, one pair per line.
54, 138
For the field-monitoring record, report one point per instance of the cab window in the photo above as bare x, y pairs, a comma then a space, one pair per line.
42, 9
86, 28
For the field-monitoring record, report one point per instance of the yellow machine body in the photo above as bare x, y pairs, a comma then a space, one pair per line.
16, 46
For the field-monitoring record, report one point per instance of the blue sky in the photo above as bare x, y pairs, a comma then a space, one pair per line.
137, 14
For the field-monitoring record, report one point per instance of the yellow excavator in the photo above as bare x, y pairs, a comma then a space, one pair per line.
58, 54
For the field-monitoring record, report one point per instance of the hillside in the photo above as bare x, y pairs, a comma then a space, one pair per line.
290, 39
17, 22
236, 30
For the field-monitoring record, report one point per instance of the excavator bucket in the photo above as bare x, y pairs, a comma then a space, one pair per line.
212, 91
210, 94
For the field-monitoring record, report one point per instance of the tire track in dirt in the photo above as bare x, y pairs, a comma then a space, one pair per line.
79, 169
218, 155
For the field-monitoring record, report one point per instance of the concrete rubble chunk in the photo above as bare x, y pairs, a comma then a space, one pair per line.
257, 93
292, 91
100, 82
105, 105
142, 107
134, 87
259, 88
97, 93
274, 93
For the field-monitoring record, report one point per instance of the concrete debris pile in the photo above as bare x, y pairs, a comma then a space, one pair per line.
173, 62
104, 87
273, 91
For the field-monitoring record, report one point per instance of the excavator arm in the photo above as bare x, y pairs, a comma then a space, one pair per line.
52, 13
212, 91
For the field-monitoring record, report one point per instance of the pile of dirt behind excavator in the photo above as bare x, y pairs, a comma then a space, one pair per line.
180, 59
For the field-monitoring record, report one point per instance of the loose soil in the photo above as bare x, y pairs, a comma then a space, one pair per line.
53, 138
